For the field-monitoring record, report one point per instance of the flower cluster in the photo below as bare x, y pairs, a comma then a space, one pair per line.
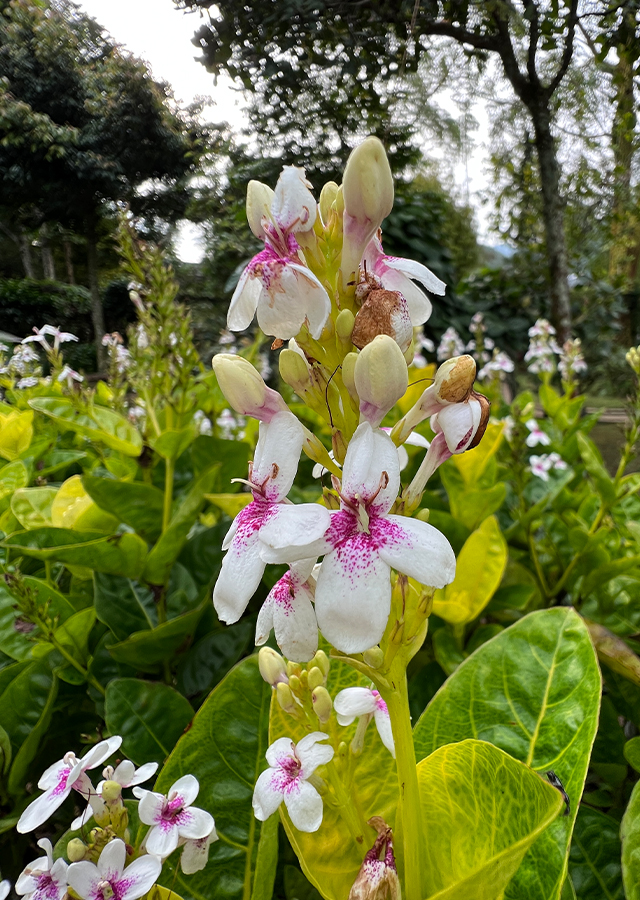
540, 466
103, 863
572, 361
450, 345
543, 348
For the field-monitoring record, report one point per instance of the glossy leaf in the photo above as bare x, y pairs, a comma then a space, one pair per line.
481, 811
149, 715
595, 467
136, 504
73, 508
225, 750
471, 506
479, 570
212, 657
330, 858
16, 433
13, 640
73, 634
32, 506
533, 691
630, 836
230, 504
632, 753
172, 443
123, 605
594, 861
118, 554
98, 424
614, 652
145, 651
12, 477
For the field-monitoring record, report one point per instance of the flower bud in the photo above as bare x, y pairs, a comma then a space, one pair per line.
76, 850
322, 704
111, 791
315, 678
373, 657
378, 877
367, 187
295, 683
383, 312
321, 660
244, 387
272, 667
463, 424
344, 325
294, 370
285, 698
454, 379
348, 373
327, 199
381, 378
259, 199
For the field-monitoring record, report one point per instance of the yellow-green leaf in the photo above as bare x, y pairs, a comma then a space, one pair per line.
73, 508
16, 433
231, 504
32, 506
472, 464
12, 476
481, 811
479, 570
98, 424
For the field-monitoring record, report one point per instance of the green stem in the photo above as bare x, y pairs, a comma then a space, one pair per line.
397, 701
168, 493
69, 658
345, 804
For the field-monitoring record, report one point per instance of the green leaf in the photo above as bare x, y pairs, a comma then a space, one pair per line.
166, 551
135, 504
605, 573
330, 857
594, 861
117, 554
614, 652
145, 651
6, 752
471, 506
481, 811
212, 657
149, 715
98, 424
550, 399
15, 643
296, 886
446, 650
13, 476
595, 467
172, 443
123, 605
225, 750
73, 634
267, 860
57, 460
479, 570
632, 753
32, 506
533, 691
630, 833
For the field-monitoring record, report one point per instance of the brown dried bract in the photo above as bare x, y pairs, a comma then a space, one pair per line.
379, 314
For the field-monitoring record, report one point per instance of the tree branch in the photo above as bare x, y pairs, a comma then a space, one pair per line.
605, 66
534, 33
462, 35
509, 62
568, 50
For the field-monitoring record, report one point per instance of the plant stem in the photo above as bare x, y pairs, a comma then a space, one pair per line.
168, 493
397, 701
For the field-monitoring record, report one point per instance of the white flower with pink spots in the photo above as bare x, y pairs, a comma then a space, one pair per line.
173, 817
288, 610
361, 545
61, 778
271, 475
360, 701
110, 879
43, 879
290, 767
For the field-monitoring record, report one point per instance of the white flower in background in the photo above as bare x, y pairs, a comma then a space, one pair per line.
29, 381
540, 466
195, 855
290, 767
360, 701
500, 363
109, 878
61, 778
362, 543
536, 435
541, 328
396, 274
59, 337
571, 361
42, 879
5, 889
172, 817
277, 287
450, 345
202, 422
289, 611
271, 476
69, 375
557, 462
228, 424
226, 338
508, 424
477, 323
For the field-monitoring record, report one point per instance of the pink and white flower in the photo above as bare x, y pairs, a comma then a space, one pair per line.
59, 337
126, 775
450, 345
270, 476
289, 611
362, 543
540, 466
43, 879
360, 701
61, 778
69, 375
172, 817
195, 855
109, 878
536, 435
290, 767
277, 286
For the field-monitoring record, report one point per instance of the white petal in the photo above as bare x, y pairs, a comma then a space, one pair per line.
196, 854
186, 788
195, 824
383, 724
46, 845
370, 453
304, 805
101, 752
279, 752
277, 455
312, 752
353, 596
416, 270
288, 297
294, 620
82, 819
240, 575
418, 304
41, 809
459, 422
162, 840
313, 298
5, 889
124, 773
150, 806
293, 205
419, 550
296, 528
112, 860
244, 301
352, 702
84, 878
267, 795
53, 774
139, 877
264, 623
144, 773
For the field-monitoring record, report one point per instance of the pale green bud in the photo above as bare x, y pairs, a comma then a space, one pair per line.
294, 370
373, 657
294, 683
321, 660
327, 199
344, 325
76, 850
285, 698
272, 666
381, 378
348, 373
259, 199
315, 678
322, 704
244, 387
111, 791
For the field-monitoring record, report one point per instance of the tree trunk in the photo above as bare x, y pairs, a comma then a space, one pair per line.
553, 214
68, 261
26, 257
48, 262
97, 313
